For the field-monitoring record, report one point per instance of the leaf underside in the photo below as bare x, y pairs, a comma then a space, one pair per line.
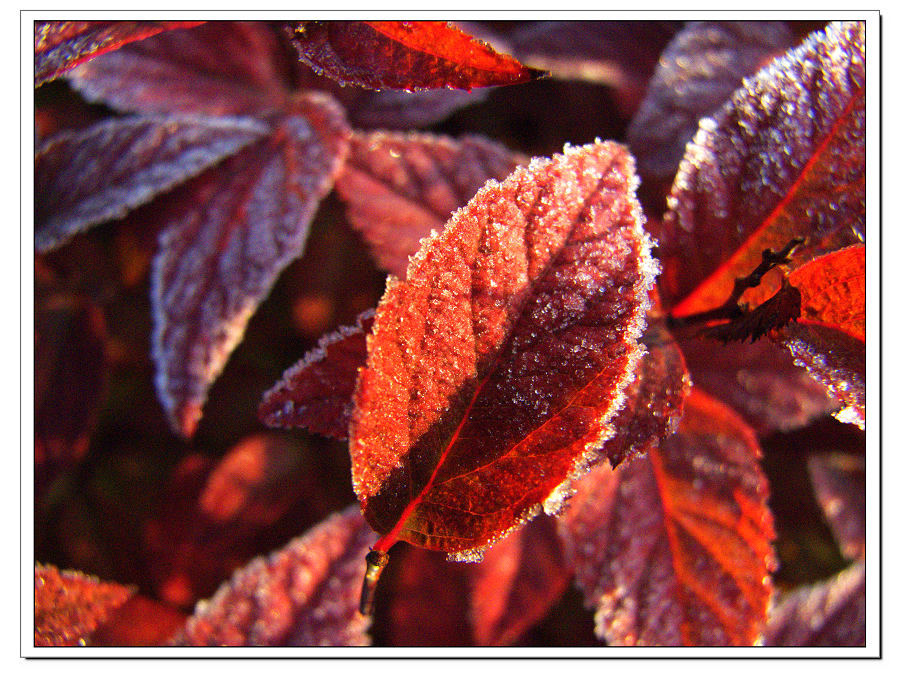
494, 370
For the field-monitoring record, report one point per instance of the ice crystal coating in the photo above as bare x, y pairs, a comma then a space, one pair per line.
494, 370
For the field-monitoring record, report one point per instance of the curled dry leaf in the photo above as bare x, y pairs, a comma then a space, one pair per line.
69, 606
828, 614
696, 74
305, 594
101, 173
675, 548
317, 392
398, 188
785, 157
839, 481
62, 45
409, 55
220, 68
495, 369
248, 219
829, 338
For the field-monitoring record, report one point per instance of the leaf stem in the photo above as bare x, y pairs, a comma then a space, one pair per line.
375, 563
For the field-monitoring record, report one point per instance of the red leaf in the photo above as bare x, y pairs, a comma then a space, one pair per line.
839, 481
220, 68
828, 614
409, 55
214, 517
696, 74
500, 362
654, 401
784, 158
139, 622
61, 45
399, 109
248, 219
518, 581
101, 173
759, 381
400, 187
674, 548
69, 606
829, 339
317, 392
305, 594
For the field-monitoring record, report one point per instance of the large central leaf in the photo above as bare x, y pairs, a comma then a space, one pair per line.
494, 370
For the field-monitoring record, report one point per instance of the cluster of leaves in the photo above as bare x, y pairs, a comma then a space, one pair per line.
632, 362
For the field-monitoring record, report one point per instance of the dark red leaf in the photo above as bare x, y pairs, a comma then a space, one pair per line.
101, 173
495, 369
784, 158
69, 606
426, 601
317, 392
839, 481
400, 187
696, 74
828, 614
220, 68
518, 581
830, 337
675, 548
654, 401
248, 219
214, 517
70, 377
759, 381
61, 45
305, 594
409, 55
618, 54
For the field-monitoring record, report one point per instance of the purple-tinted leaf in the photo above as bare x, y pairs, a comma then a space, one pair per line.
69, 606
219, 68
675, 548
696, 74
61, 45
303, 595
317, 392
839, 481
759, 381
784, 158
828, 614
519, 580
100, 173
400, 187
248, 219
